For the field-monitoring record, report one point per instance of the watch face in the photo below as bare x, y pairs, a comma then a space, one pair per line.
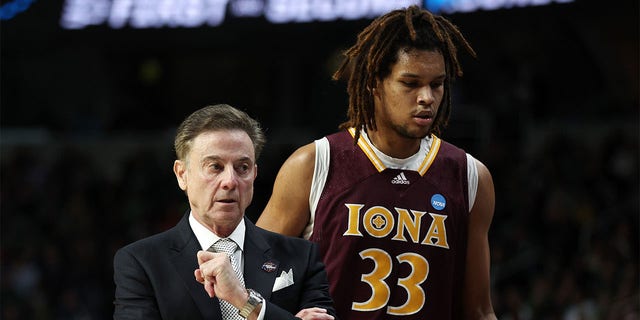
255, 294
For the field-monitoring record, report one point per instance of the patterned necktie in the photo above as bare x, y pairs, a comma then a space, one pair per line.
228, 246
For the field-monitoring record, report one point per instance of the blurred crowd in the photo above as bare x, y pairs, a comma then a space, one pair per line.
62, 221
565, 238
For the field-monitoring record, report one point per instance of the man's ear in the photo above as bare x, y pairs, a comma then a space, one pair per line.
374, 91
180, 170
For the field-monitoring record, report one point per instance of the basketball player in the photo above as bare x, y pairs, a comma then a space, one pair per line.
401, 216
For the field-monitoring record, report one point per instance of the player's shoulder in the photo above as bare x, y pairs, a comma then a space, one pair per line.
447, 145
300, 161
448, 152
304, 153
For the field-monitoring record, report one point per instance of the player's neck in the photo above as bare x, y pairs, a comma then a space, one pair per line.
393, 145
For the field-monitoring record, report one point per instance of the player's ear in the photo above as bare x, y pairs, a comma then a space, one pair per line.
375, 91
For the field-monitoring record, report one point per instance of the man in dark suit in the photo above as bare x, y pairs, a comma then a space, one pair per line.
184, 272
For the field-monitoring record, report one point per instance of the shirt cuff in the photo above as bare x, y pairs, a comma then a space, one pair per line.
262, 310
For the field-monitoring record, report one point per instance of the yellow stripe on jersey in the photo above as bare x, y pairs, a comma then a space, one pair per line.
366, 148
428, 160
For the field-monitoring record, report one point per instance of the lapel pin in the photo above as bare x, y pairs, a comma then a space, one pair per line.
269, 266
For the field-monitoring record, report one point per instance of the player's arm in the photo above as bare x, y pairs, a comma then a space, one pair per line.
477, 279
287, 211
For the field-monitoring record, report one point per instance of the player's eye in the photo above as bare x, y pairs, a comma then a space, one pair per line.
410, 84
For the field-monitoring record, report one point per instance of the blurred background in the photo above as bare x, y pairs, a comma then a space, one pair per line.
91, 93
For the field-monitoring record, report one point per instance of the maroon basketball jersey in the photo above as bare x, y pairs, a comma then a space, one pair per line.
394, 241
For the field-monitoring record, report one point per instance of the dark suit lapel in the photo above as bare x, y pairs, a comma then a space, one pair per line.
183, 255
260, 268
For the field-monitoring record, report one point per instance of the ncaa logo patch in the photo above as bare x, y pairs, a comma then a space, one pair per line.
438, 201
269, 266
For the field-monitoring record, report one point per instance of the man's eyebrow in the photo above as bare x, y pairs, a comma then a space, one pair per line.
441, 77
242, 159
414, 75
211, 157
216, 157
409, 75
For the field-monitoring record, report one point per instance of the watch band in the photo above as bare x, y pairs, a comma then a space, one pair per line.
254, 300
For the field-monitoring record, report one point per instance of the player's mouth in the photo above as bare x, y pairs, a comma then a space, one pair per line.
423, 118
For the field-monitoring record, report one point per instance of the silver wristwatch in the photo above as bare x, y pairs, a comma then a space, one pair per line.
254, 300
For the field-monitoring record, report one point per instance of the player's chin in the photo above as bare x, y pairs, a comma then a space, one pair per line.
418, 133
413, 131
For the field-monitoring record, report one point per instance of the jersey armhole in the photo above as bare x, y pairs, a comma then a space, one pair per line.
320, 171
472, 180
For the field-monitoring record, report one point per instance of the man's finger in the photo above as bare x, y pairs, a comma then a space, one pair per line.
208, 286
204, 256
198, 274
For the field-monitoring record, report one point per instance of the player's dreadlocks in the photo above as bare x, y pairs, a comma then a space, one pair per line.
376, 50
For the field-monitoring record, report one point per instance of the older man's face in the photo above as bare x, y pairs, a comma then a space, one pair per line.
218, 177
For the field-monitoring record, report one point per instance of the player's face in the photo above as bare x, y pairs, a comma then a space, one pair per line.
218, 177
407, 100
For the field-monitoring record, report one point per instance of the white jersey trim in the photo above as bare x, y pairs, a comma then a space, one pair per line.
472, 180
321, 170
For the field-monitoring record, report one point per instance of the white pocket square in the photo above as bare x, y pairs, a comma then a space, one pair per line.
284, 280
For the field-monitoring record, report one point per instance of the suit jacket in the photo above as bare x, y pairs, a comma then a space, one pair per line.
154, 277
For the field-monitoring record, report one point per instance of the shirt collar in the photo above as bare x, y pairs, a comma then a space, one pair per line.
206, 238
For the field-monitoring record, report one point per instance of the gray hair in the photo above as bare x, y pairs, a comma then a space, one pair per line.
217, 117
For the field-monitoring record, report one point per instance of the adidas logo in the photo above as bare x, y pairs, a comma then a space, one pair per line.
400, 179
